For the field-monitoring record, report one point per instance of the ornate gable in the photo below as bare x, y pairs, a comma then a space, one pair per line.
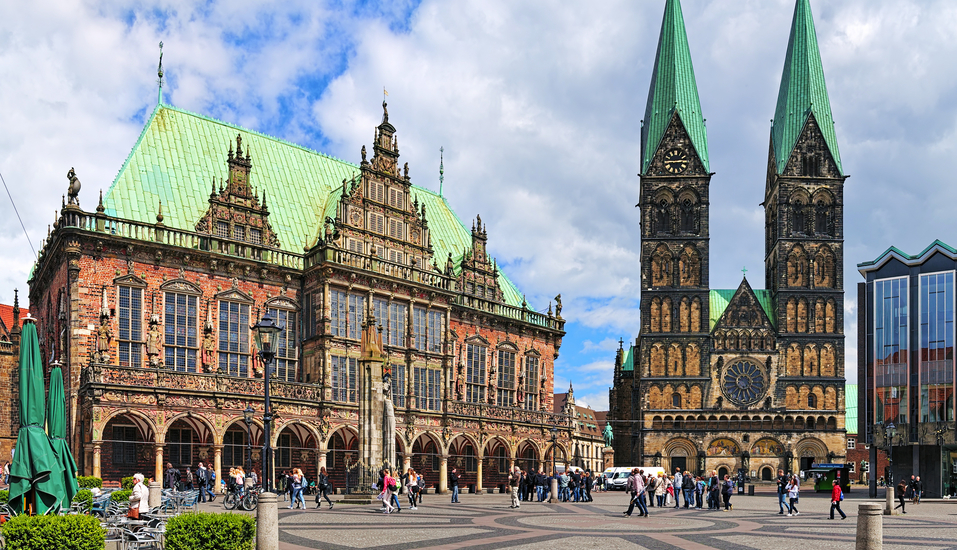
676, 154
478, 274
744, 325
811, 156
235, 213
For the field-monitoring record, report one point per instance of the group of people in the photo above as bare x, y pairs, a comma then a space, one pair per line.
202, 479
911, 490
664, 490
391, 483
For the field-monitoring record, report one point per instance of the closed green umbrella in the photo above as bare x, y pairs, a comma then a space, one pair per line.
56, 427
35, 475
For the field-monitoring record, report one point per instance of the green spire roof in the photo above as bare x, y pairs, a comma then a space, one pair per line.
673, 89
180, 154
802, 91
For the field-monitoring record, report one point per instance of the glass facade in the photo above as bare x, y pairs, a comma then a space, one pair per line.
937, 347
890, 350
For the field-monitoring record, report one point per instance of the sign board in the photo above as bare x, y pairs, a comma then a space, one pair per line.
815, 465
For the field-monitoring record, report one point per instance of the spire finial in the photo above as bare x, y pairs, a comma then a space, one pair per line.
159, 75
99, 207
744, 270
441, 168
159, 213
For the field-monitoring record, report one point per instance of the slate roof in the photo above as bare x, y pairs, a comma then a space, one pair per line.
180, 154
720, 298
802, 92
673, 88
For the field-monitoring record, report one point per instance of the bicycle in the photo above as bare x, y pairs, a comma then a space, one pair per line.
250, 499
231, 499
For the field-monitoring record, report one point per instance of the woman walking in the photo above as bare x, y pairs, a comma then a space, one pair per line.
412, 484
660, 490
297, 498
899, 492
388, 484
726, 489
794, 492
322, 484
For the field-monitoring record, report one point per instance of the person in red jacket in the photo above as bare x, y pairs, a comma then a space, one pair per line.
836, 497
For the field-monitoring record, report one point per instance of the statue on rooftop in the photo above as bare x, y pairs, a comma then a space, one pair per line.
74, 190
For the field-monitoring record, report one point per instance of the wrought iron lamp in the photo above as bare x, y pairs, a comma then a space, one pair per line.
248, 419
267, 331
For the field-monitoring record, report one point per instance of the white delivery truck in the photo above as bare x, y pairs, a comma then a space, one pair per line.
616, 478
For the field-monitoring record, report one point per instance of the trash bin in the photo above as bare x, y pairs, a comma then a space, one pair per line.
471, 488
750, 490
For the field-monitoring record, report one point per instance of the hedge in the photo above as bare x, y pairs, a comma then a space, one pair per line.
85, 496
4, 496
74, 532
207, 531
127, 483
121, 496
89, 482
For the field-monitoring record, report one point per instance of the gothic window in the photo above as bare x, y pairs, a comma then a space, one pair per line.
657, 360
819, 315
827, 361
797, 267
663, 216
181, 343
661, 267
684, 315
802, 319
436, 326
811, 361
676, 400
824, 272
793, 360
666, 315
675, 361
829, 313
130, 316
689, 266
772, 224
531, 383
286, 362
696, 315
692, 360
398, 384
798, 216
427, 385
398, 313
811, 166
344, 379
505, 396
419, 324
475, 358
822, 218
656, 314
688, 217
811, 401
791, 315
233, 339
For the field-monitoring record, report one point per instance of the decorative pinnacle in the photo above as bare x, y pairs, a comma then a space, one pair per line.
99, 207
159, 213
159, 75
441, 168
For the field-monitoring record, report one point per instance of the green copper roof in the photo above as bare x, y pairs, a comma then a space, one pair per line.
802, 91
850, 408
909, 259
720, 298
628, 363
673, 88
179, 154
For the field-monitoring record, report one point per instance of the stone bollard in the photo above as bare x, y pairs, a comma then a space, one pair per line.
156, 494
889, 501
553, 498
267, 523
870, 527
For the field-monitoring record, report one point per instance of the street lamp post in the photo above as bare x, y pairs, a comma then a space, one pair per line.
248, 419
889, 431
266, 333
554, 482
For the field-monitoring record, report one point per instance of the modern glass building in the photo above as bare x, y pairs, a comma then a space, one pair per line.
906, 364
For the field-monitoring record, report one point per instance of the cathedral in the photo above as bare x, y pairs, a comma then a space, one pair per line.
736, 379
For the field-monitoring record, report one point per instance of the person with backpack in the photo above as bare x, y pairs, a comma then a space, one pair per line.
727, 488
794, 493
412, 484
837, 495
204, 481
171, 477
687, 488
323, 486
388, 486
189, 479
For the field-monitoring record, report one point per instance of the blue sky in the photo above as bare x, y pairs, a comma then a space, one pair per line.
537, 105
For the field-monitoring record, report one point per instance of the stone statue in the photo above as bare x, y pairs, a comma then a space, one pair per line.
460, 383
491, 385
388, 426
405, 170
363, 153
104, 336
74, 190
154, 342
558, 306
608, 435
209, 349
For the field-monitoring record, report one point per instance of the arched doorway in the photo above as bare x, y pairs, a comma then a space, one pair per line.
427, 459
767, 474
495, 464
527, 457
235, 451
723, 471
127, 447
463, 457
296, 447
342, 454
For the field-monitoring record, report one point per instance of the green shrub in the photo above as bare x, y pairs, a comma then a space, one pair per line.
4, 497
89, 482
121, 496
127, 483
62, 532
85, 496
206, 531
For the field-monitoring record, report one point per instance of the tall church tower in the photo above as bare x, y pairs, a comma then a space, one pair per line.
803, 203
675, 178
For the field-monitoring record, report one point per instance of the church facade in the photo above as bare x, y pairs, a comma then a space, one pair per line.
148, 300
729, 379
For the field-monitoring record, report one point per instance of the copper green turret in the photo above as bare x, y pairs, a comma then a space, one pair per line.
673, 90
802, 92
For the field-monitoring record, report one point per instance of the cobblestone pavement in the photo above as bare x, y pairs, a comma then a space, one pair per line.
486, 522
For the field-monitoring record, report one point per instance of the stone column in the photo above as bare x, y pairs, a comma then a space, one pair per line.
870, 527
322, 460
406, 462
158, 454
97, 471
444, 475
478, 476
218, 466
267, 522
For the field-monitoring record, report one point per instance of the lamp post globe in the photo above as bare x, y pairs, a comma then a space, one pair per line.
266, 332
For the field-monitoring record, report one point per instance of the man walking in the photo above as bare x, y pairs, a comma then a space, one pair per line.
836, 497
203, 478
513, 480
171, 477
636, 485
782, 492
676, 486
687, 487
454, 484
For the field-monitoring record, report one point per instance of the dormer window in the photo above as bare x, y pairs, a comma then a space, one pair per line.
396, 198
255, 236
239, 233
222, 230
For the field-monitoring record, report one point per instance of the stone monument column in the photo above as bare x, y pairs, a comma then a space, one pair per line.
371, 399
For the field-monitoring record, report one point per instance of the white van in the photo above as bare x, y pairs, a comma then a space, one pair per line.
617, 478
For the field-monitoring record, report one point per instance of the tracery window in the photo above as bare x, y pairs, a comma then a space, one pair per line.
344, 379
688, 218
822, 218
505, 396
475, 371
663, 216
130, 317
233, 339
798, 217
286, 362
180, 331
531, 383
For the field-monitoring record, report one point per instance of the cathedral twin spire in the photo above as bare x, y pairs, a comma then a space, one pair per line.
674, 91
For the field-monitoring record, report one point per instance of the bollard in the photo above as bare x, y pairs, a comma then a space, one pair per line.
553, 498
267, 523
889, 501
156, 494
870, 527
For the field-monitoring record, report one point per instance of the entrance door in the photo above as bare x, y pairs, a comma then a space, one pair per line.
679, 462
722, 471
806, 462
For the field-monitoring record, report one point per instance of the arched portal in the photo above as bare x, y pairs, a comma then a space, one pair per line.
495, 464
427, 459
297, 447
463, 456
127, 447
342, 454
236, 453
528, 457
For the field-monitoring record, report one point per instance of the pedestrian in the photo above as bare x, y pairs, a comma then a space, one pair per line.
899, 493
540, 484
388, 486
189, 479
513, 480
670, 491
420, 481
171, 477
396, 491
714, 486
454, 484
6, 473
636, 486
412, 485
782, 491
563, 480
726, 490
918, 490
298, 482
587, 482
676, 485
323, 486
700, 488
837, 495
289, 489
794, 493
660, 490
139, 497
651, 489
687, 488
